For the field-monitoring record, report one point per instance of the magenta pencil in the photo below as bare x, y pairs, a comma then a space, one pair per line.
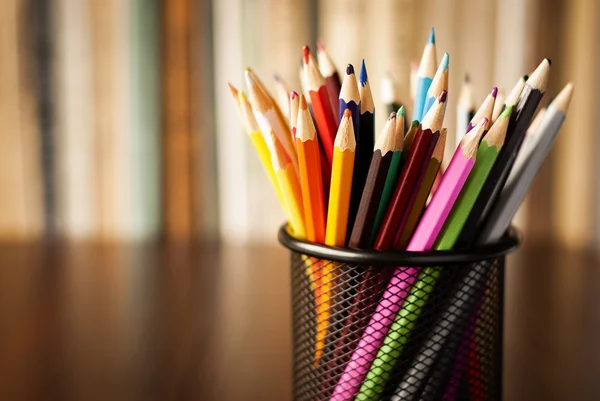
403, 278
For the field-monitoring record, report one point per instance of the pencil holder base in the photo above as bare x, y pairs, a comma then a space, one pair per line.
438, 337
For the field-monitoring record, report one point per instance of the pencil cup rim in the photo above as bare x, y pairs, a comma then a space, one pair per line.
507, 244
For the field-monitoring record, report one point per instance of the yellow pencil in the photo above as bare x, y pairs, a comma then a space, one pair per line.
344, 149
290, 186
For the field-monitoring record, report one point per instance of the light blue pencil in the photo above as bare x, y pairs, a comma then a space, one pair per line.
438, 84
425, 75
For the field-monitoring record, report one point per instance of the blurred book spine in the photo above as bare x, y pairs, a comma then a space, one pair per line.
176, 76
77, 195
21, 214
146, 140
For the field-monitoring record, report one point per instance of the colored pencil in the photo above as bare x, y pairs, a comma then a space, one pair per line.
337, 217
264, 155
332, 78
350, 99
529, 143
515, 92
288, 182
498, 105
415, 162
365, 141
514, 192
393, 172
264, 109
438, 84
437, 213
282, 90
424, 190
519, 121
427, 68
487, 154
442, 338
465, 110
309, 161
321, 105
403, 278
485, 110
360, 237
234, 93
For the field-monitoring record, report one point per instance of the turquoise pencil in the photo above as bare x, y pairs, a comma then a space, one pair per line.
425, 76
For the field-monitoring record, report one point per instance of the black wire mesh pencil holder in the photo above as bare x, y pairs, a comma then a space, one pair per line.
446, 341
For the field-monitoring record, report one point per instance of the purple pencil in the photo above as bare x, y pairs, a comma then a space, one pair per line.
399, 286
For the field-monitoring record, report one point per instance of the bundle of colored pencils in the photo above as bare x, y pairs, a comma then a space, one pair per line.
340, 187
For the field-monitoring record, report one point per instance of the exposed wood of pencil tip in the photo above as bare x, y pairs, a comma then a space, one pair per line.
470, 141
260, 100
497, 134
234, 91
427, 66
386, 143
435, 116
515, 93
305, 127
248, 118
280, 158
440, 79
486, 109
349, 91
539, 78
440, 146
313, 77
563, 99
326, 65
294, 105
344, 139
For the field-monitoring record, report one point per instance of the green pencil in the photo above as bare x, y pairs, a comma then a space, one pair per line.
412, 307
392, 175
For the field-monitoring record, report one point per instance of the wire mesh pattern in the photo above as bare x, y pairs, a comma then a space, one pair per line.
445, 343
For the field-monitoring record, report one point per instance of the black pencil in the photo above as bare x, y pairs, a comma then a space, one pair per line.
519, 121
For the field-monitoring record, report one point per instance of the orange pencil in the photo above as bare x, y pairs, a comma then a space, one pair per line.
311, 181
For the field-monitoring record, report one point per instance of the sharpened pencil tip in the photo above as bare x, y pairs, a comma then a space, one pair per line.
303, 105
350, 69
305, 54
347, 113
549, 61
494, 92
401, 112
442, 97
445, 61
392, 116
506, 112
431, 38
363, 73
233, 89
320, 46
293, 95
414, 124
525, 77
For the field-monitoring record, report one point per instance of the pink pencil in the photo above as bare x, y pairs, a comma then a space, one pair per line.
399, 286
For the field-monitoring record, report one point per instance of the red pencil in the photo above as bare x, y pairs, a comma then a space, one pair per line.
319, 96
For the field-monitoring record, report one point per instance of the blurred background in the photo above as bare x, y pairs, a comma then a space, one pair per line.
117, 124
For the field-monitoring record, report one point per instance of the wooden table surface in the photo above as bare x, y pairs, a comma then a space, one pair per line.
172, 323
